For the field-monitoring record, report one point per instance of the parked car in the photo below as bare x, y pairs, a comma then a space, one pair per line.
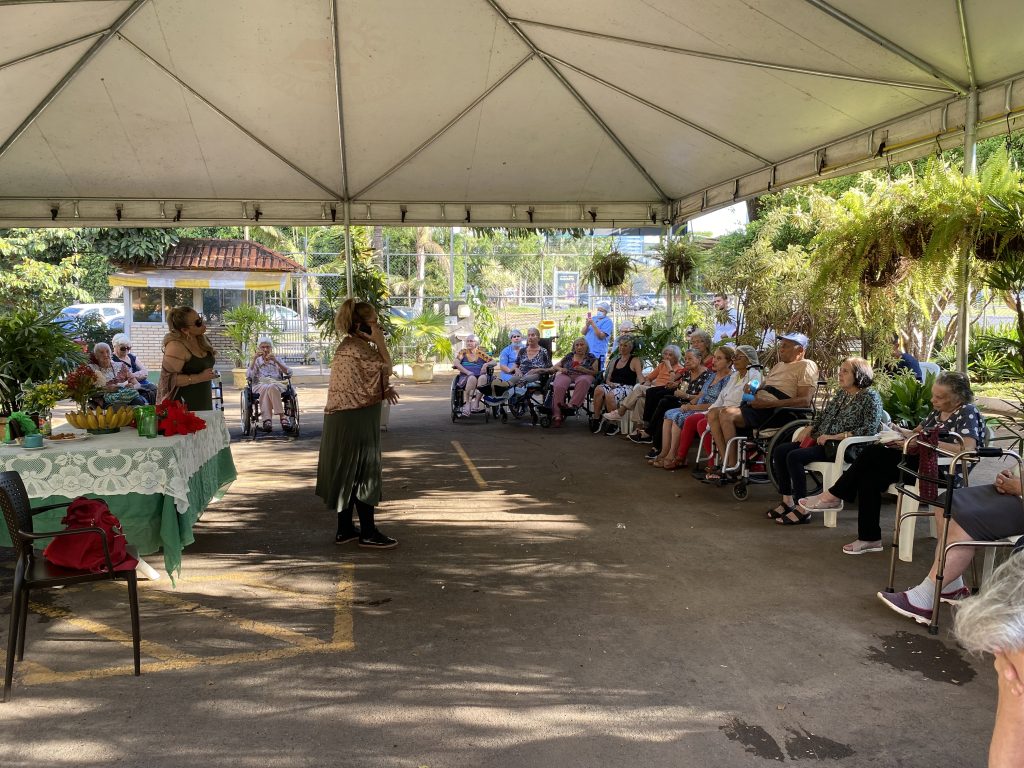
283, 318
106, 312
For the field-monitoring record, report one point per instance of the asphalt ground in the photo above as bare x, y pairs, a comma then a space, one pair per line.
553, 601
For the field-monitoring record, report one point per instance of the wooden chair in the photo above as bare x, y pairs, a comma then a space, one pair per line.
32, 571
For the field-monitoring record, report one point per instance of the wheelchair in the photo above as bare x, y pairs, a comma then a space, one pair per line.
250, 409
547, 408
457, 399
753, 447
525, 399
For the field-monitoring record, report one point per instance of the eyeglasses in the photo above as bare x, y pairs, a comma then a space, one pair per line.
125, 348
199, 321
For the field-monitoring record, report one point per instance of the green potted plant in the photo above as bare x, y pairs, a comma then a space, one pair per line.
679, 257
609, 268
426, 336
40, 399
32, 348
243, 325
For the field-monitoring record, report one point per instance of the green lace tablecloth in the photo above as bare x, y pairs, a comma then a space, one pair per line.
157, 487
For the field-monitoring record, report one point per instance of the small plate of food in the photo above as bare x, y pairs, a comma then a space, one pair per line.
68, 437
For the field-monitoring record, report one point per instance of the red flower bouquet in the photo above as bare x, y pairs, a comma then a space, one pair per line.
174, 418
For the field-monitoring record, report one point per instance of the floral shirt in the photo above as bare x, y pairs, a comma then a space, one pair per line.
525, 363
860, 413
694, 384
573, 368
711, 389
475, 365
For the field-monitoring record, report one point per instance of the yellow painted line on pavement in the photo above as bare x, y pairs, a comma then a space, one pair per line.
149, 648
33, 673
247, 625
480, 482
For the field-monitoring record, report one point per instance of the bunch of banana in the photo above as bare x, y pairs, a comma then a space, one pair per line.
101, 418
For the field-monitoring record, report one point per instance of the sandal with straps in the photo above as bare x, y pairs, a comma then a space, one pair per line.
776, 514
802, 518
674, 464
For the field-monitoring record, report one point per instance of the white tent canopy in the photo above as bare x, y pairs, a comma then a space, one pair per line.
496, 112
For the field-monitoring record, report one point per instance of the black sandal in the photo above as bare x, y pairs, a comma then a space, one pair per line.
802, 518
775, 514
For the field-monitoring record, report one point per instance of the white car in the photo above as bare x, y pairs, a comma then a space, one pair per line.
106, 312
283, 318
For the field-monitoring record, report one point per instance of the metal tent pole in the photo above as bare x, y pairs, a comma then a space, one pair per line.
970, 169
667, 236
348, 248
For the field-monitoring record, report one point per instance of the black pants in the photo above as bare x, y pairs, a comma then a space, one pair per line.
657, 420
865, 481
366, 526
788, 462
651, 399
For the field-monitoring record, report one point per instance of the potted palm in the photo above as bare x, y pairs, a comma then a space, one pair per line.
426, 336
610, 269
243, 325
32, 348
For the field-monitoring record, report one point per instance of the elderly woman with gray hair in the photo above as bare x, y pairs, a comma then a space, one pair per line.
877, 466
113, 376
993, 622
122, 353
854, 411
267, 375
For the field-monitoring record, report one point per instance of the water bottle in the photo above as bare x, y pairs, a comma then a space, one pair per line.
754, 384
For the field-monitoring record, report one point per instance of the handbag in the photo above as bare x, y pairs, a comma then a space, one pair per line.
85, 551
831, 449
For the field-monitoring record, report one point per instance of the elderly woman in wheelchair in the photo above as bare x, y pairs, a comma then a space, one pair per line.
474, 366
269, 380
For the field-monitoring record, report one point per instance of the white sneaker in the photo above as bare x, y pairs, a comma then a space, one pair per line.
612, 416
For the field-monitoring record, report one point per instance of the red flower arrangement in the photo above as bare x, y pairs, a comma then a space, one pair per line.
82, 384
174, 418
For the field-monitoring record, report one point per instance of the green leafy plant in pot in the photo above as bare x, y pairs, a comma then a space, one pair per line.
244, 325
610, 269
32, 348
426, 336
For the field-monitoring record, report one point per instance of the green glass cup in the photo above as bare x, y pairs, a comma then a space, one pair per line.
145, 420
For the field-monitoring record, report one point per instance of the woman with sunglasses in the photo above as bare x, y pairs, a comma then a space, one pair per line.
187, 366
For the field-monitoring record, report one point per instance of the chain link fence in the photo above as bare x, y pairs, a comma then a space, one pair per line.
482, 293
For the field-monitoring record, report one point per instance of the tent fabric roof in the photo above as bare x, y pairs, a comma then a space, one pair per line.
236, 255
603, 112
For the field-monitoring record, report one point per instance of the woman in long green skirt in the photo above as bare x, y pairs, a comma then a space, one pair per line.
348, 476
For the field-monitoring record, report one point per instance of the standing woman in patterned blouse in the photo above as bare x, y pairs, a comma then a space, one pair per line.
348, 472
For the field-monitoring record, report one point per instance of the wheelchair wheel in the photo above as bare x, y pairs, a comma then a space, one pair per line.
545, 420
784, 435
739, 490
295, 423
516, 407
246, 410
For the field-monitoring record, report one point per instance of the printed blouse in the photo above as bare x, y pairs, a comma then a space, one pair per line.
526, 363
712, 389
573, 368
965, 421
859, 413
474, 366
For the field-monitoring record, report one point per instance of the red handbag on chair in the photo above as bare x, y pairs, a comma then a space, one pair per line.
85, 553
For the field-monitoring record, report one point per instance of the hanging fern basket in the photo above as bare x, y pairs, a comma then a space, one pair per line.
991, 249
887, 273
610, 275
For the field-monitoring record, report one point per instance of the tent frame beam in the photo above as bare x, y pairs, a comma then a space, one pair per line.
237, 125
582, 102
336, 34
866, 31
70, 75
732, 59
52, 49
447, 126
661, 110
